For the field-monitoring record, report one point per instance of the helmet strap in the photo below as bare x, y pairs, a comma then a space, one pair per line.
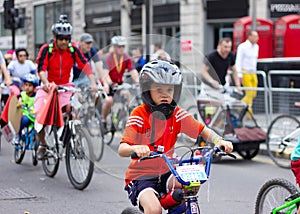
163, 111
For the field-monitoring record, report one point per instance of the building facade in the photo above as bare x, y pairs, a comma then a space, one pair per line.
186, 28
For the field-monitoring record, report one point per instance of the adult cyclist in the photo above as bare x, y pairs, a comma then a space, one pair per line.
117, 63
55, 62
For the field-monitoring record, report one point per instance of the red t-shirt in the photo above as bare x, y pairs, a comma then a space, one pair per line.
117, 66
139, 130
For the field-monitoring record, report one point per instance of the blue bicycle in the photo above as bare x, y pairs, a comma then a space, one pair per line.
192, 170
28, 141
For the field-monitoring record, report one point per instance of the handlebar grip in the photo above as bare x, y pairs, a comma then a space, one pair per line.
133, 155
222, 148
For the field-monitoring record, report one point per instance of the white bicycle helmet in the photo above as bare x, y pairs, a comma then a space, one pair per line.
118, 40
62, 27
161, 72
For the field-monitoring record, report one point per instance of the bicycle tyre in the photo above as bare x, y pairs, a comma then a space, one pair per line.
273, 194
122, 118
36, 143
248, 154
98, 143
278, 129
20, 150
108, 137
131, 210
84, 161
51, 162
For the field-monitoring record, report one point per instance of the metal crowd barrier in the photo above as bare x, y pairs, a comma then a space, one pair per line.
282, 94
275, 94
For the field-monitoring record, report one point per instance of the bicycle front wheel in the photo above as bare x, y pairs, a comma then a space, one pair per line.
95, 129
79, 159
20, 150
273, 194
51, 162
278, 147
108, 136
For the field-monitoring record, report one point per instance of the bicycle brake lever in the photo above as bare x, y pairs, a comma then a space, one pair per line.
231, 155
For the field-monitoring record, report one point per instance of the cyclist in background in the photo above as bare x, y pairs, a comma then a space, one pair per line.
4, 78
26, 100
295, 160
85, 44
154, 124
117, 63
55, 62
19, 68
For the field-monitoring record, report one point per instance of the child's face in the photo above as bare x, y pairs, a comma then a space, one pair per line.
28, 87
161, 93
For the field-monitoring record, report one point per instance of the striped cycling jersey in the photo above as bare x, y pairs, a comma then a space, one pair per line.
142, 129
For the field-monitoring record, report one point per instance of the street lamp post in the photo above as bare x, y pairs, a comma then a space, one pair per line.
253, 14
149, 26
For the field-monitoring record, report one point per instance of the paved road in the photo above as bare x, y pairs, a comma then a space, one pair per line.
232, 187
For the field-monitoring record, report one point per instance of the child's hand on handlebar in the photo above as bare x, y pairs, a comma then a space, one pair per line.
228, 147
141, 150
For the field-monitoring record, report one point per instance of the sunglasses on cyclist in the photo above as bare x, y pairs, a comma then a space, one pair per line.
61, 37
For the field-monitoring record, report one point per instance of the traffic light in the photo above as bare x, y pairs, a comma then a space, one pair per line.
11, 16
8, 5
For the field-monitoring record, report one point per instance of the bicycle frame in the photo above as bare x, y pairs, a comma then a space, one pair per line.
289, 204
191, 205
29, 134
295, 134
75, 142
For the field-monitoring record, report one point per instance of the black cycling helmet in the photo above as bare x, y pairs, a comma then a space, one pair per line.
161, 72
62, 27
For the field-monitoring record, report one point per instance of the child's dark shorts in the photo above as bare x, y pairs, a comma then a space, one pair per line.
134, 188
295, 167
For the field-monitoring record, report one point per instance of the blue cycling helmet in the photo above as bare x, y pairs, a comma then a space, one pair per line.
32, 79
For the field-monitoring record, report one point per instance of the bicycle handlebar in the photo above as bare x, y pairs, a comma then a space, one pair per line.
196, 159
69, 89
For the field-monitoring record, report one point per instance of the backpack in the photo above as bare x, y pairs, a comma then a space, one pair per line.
71, 50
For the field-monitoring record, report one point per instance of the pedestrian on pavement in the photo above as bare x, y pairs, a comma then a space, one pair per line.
217, 65
246, 64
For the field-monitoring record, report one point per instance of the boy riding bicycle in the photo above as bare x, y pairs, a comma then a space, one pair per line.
26, 100
155, 125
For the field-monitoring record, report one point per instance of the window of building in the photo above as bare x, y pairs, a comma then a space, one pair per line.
45, 16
